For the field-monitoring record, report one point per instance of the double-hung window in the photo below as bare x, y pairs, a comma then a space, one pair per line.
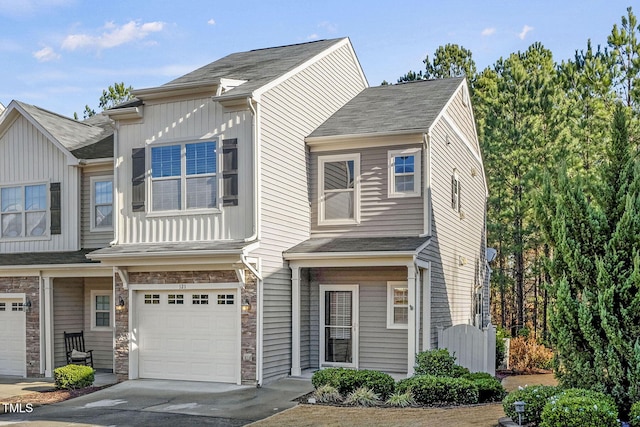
23, 211
183, 176
100, 310
339, 189
404, 173
101, 203
397, 305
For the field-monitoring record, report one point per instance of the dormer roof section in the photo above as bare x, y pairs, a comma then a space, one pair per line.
89, 139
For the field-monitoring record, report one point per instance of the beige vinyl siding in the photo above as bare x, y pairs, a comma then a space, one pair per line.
96, 238
379, 348
101, 342
186, 121
457, 247
28, 157
380, 215
461, 114
68, 313
290, 111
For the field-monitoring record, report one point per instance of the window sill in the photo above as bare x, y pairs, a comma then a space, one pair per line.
100, 229
338, 222
395, 326
101, 329
189, 212
403, 195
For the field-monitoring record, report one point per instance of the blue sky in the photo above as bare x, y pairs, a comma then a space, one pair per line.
60, 54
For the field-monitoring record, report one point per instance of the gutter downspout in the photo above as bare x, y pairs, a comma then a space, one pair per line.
426, 143
116, 204
257, 185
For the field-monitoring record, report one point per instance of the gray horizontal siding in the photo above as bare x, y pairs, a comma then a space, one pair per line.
101, 342
379, 214
92, 239
379, 348
68, 314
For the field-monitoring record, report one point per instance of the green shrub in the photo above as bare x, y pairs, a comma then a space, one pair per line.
71, 377
438, 363
362, 396
429, 390
535, 398
347, 380
401, 400
489, 390
501, 347
478, 376
634, 416
580, 408
327, 394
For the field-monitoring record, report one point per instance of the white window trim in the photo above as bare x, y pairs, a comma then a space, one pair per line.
455, 195
356, 188
183, 179
390, 319
92, 181
94, 294
417, 173
24, 237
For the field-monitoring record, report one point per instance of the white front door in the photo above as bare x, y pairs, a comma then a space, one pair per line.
189, 335
339, 325
13, 333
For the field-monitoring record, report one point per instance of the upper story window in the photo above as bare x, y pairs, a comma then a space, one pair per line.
455, 191
339, 186
23, 211
404, 173
101, 203
183, 176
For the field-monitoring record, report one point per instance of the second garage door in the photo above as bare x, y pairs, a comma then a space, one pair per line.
188, 335
12, 331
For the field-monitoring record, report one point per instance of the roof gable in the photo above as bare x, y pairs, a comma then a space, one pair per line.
403, 108
69, 136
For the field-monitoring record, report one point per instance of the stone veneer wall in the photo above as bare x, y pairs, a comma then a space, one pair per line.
29, 286
248, 321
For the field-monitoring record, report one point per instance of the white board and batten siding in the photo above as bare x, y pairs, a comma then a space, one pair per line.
380, 348
290, 111
457, 247
189, 120
380, 215
27, 157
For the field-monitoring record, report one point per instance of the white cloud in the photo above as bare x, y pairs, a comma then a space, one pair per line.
113, 36
328, 27
488, 32
46, 54
211, 21
525, 30
313, 36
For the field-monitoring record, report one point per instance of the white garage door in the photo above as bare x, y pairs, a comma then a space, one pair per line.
188, 335
13, 333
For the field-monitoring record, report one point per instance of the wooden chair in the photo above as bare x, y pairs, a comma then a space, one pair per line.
75, 350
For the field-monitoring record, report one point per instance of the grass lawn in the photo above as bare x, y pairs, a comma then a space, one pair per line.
317, 415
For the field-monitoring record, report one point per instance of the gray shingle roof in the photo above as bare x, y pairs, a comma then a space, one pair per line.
174, 247
77, 137
358, 244
406, 107
258, 66
46, 258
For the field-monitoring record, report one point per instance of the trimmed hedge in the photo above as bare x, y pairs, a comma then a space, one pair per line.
71, 377
348, 380
430, 390
580, 408
634, 415
535, 398
438, 363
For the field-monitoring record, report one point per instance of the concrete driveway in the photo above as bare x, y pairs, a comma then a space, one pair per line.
168, 403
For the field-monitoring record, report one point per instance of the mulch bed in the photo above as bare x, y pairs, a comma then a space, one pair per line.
48, 397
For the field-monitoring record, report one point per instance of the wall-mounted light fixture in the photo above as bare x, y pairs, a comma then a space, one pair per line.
27, 304
120, 305
246, 306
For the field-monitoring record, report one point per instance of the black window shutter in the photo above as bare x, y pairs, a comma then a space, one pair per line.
138, 180
56, 208
230, 172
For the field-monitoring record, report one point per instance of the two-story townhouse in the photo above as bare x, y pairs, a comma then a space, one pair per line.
397, 247
55, 207
211, 187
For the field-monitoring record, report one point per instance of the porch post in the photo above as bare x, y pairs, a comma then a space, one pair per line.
296, 371
411, 330
48, 327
